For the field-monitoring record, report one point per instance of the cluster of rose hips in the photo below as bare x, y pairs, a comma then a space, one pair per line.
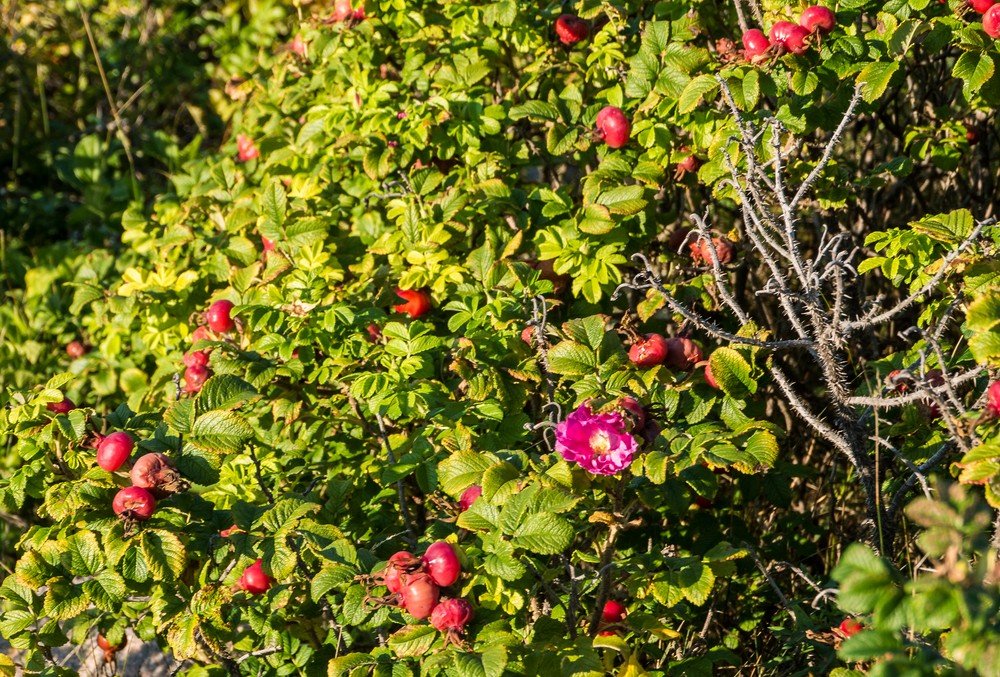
788, 37
679, 353
414, 583
990, 9
218, 319
153, 475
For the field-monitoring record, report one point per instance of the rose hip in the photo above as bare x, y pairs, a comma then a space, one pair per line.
114, 450
451, 615
648, 351
254, 580
419, 594
442, 563
134, 503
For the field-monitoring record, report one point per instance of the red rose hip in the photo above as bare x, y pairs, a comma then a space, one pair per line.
850, 627
442, 563
993, 398
981, 5
451, 615
64, 406
219, 316
418, 302
75, 349
613, 612
254, 580
134, 503
419, 594
613, 126
648, 351
469, 496
991, 21
195, 377
571, 29
755, 43
818, 19
114, 450
797, 40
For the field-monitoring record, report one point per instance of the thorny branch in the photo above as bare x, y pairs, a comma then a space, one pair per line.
812, 285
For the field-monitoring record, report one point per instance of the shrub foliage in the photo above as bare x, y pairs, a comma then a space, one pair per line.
809, 231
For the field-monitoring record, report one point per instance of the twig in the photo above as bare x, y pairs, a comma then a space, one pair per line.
404, 511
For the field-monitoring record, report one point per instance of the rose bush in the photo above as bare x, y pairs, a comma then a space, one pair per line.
344, 289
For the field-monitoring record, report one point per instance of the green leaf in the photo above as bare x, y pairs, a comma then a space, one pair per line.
572, 359
623, 199
225, 392
950, 228
699, 87
272, 206
412, 640
164, 553
463, 469
561, 139
330, 577
732, 372
876, 77
975, 68
984, 312
221, 431
869, 644
107, 590
84, 554
534, 109
543, 533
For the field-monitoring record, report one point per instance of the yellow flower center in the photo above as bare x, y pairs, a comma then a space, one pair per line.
600, 444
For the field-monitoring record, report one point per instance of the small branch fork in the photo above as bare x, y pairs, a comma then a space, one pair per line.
812, 290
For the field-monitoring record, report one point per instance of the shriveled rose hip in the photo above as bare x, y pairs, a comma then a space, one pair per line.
451, 615
157, 473
683, 353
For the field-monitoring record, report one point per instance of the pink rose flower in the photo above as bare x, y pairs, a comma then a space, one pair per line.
246, 150
599, 443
